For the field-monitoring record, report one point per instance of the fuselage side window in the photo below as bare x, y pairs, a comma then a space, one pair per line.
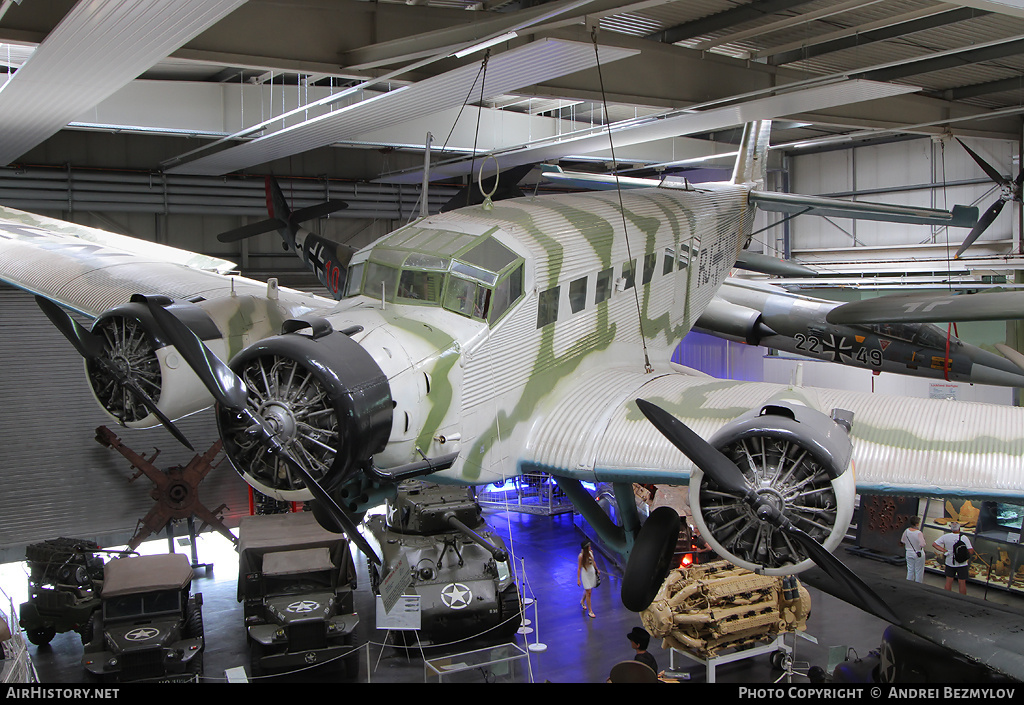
578, 294
629, 274
603, 288
547, 310
670, 261
650, 262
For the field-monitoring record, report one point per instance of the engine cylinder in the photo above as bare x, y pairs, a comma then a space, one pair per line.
134, 345
795, 459
325, 398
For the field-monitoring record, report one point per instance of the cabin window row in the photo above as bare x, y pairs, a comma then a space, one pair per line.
604, 283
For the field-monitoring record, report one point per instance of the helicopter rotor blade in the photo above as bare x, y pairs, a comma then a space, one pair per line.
990, 170
986, 220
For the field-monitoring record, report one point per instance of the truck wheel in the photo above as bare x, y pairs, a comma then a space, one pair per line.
41, 636
194, 622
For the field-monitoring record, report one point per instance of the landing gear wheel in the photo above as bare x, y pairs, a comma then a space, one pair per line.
650, 559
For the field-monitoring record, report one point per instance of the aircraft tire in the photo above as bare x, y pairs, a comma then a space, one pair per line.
650, 559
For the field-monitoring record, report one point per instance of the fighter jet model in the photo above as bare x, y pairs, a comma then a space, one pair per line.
760, 313
531, 334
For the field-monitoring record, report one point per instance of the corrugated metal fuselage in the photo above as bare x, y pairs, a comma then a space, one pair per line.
601, 286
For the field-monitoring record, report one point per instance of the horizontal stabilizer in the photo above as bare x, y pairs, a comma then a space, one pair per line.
794, 204
766, 264
932, 308
318, 211
607, 182
250, 230
1010, 354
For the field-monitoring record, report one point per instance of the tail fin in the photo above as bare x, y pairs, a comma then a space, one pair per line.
752, 160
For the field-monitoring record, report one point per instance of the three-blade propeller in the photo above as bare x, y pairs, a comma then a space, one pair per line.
91, 346
730, 479
230, 391
1011, 191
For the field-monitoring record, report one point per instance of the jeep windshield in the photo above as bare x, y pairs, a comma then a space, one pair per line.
148, 604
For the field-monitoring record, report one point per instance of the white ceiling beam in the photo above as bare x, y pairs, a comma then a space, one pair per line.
97, 48
530, 64
683, 122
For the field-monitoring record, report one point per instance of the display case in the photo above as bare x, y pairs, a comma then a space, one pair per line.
994, 530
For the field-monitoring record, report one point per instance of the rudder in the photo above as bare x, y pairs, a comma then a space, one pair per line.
752, 159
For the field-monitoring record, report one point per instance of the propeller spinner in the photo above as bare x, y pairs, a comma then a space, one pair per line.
731, 480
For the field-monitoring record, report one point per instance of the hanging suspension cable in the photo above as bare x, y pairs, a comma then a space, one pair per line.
622, 209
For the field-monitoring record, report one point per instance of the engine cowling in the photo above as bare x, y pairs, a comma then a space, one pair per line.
796, 458
325, 397
133, 343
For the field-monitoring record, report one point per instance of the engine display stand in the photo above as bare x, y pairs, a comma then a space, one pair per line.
777, 644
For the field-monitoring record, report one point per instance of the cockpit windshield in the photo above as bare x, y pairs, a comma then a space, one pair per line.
475, 276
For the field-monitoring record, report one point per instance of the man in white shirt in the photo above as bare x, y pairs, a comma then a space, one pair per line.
954, 568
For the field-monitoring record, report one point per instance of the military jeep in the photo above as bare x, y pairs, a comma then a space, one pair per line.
64, 580
296, 583
149, 627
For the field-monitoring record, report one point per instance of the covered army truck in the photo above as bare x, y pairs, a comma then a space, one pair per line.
296, 582
149, 627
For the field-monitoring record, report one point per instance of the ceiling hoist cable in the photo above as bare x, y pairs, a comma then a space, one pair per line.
622, 208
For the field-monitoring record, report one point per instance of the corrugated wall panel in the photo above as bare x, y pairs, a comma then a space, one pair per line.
56, 480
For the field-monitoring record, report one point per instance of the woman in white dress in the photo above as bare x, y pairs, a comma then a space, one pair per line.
913, 542
586, 576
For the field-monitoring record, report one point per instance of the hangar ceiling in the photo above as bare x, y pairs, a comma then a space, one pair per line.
237, 76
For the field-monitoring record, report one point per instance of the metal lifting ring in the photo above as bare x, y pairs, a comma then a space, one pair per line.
488, 204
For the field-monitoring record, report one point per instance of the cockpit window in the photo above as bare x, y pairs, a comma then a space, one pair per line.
467, 297
475, 276
380, 281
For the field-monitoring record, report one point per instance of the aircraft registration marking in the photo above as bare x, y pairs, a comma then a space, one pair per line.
838, 349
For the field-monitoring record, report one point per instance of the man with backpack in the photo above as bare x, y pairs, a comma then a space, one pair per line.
958, 551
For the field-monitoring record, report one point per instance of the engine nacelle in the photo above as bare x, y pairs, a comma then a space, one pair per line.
134, 343
794, 457
325, 397
733, 321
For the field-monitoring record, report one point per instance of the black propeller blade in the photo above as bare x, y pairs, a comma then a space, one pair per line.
1010, 192
230, 391
91, 347
730, 479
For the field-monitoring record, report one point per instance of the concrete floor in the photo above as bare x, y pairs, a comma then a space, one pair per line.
577, 649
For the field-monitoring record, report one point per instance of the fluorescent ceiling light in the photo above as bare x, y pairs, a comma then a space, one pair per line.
485, 44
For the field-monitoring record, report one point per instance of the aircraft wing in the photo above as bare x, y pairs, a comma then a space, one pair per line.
981, 631
99, 270
940, 308
902, 446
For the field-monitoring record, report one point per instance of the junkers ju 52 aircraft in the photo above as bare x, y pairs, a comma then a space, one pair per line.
529, 334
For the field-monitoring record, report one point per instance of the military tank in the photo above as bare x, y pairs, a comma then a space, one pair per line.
459, 568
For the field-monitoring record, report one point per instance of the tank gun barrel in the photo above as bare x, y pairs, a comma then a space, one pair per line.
498, 553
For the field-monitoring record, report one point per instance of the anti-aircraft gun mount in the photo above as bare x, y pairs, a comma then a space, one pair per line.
459, 568
65, 577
